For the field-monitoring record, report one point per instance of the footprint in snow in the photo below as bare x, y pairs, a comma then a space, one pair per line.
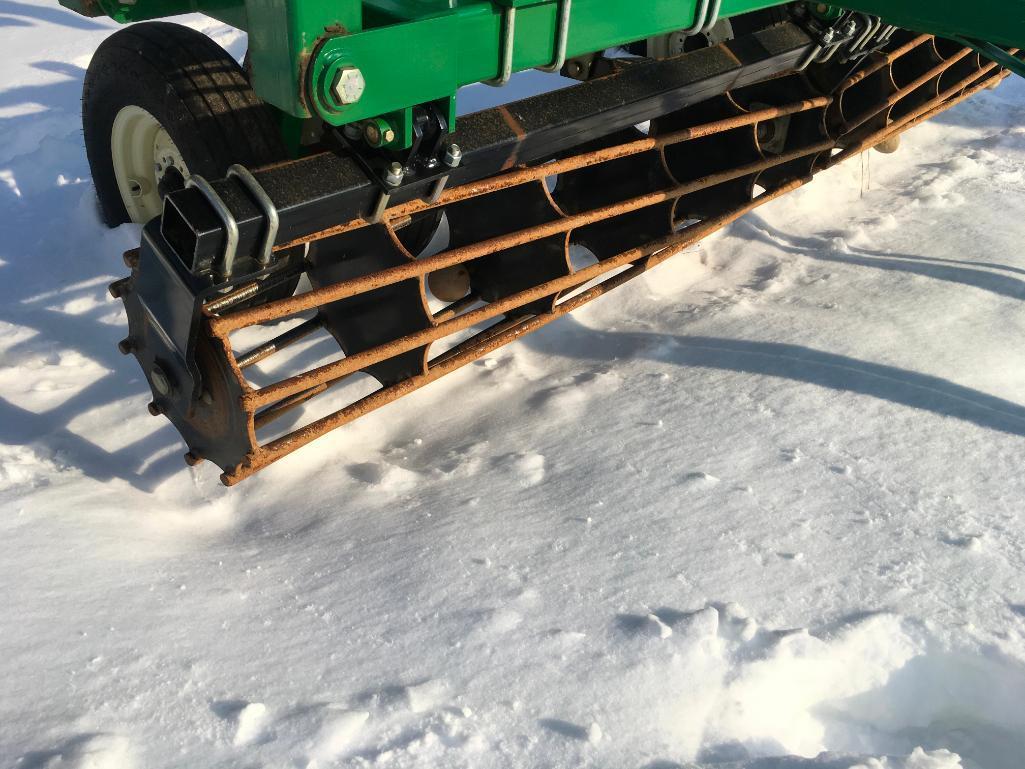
592, 733
335, 734
426, 695
500, 621
793, 456
698, 481
791, 556
384, 476
86, 751
528, 466
570, 396
971, 542
249, 720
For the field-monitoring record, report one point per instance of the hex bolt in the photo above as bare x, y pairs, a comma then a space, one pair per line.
378, 132
453, 156
348, 85
394, 175
154, 408
159, 380
125, 346
393, 178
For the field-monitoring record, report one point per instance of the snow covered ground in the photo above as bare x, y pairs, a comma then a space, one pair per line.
761, 509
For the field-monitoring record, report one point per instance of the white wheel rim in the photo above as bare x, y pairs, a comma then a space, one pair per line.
142, 151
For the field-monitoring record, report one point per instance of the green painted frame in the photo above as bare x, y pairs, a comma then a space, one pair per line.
411, 52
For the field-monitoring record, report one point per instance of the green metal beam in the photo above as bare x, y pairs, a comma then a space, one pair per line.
429, 58
411, 52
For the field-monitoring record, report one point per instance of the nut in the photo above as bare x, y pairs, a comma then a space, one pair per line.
394, 175
453, 155
348, 85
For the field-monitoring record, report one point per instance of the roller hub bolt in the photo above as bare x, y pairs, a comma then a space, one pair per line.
159, 380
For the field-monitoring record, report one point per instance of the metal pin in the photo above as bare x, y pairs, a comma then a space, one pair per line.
453, 157
280, 343
393, 178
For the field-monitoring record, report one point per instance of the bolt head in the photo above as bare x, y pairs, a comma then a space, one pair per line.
159, 380
348, 85
453, 155
377, 133
394, 175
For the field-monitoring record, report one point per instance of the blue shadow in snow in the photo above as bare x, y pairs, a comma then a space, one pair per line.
967, 273
27, 12
798, 364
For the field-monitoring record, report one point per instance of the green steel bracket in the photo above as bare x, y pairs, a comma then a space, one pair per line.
384, 57
352, 60
825, 12
412, 62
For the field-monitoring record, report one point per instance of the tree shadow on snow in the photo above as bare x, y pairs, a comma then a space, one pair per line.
821, 248
798, 364
23, 14
56, 259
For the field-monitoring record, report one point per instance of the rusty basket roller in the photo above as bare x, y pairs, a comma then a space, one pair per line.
632, 199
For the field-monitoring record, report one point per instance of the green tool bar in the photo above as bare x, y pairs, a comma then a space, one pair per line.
428, 59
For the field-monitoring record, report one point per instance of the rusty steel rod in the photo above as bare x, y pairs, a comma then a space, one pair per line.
882, 60
265, 404
360, 360
938, 104
906, 91
286, 339
402, 212
284, 308
275, 450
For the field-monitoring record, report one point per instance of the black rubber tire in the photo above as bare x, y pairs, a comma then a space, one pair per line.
198, 93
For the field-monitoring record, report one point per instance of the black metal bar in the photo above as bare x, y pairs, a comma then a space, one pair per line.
324, 190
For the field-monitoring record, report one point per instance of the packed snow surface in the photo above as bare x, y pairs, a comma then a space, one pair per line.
761, 509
